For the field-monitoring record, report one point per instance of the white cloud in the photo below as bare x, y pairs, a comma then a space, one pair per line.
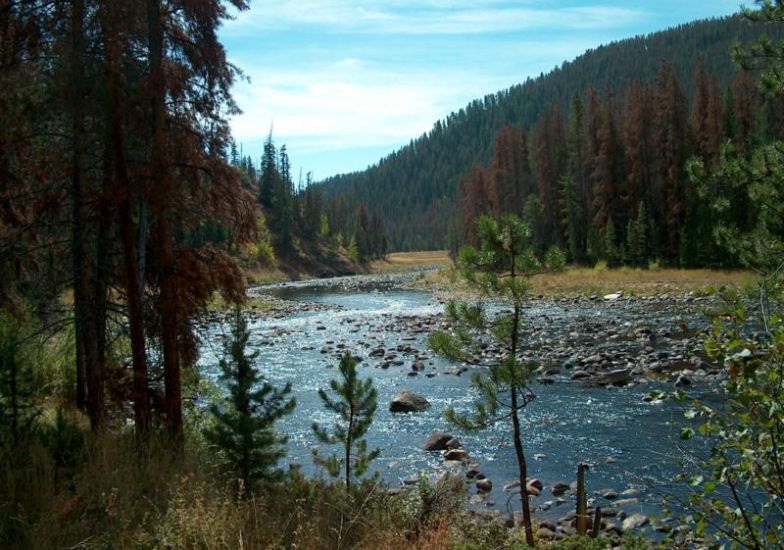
427, 17
352, 102
348, 103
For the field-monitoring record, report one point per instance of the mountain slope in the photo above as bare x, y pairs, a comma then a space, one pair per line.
415, 188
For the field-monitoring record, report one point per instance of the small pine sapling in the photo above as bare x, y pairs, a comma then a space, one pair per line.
355, 404
498, 269
244, 430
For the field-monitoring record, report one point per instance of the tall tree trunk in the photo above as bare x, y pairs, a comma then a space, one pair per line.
164, 234
88, 393
116, 148
100, 285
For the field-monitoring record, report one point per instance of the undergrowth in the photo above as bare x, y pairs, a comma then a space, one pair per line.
67, 489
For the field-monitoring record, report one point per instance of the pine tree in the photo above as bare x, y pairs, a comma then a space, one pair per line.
636, 238
574, 183
17, 407
610, 252
705, 117
672, 146
638, 148
244, 429
355, 404
608, 173
571, 208
498, 270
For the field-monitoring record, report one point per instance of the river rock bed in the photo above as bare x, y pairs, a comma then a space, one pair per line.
600, 358
619, 342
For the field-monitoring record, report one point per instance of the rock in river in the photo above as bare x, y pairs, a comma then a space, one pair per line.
484, 485
617, 377
455, 454
635, 521
407, 401
438, 442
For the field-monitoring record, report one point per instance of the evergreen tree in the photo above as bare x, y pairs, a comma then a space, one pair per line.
638, 147
17, 407
671, 133
610, 251
498, 270
571, 208
636, 238
705, 117
608, 169
574, 184
355, 404
244, 429
352, 249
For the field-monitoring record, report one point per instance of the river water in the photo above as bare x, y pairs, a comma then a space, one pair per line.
628, 442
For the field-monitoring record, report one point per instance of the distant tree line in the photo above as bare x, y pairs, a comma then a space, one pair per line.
416, 188
297, 213
608, 180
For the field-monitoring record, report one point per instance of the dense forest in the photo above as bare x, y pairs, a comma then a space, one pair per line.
688, 69
120, 183
130, 221
298, 229
612, 183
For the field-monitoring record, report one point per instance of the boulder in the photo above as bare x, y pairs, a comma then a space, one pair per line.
437, 442
407, 401
616, 377
579, 375
378, 352
560, 488
614, 296
682, 381
484, 485
455, 454
536, 483
635, 521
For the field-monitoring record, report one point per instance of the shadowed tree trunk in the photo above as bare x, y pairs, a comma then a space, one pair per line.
164, 235
115, 144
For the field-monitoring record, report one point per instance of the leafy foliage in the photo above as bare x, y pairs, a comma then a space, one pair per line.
244, 429
738, 489
355, 404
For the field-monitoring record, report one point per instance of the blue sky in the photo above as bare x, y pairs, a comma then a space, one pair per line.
344, 83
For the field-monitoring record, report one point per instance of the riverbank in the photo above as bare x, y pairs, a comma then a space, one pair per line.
604, 359
577, 282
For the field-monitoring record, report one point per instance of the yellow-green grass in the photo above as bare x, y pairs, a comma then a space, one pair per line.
643, 282
582, 281
402, 261
265, 275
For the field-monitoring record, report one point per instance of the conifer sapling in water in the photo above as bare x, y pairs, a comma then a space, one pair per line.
355, 404
244, 429
498, 269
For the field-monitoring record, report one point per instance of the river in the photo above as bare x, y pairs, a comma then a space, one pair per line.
630, 443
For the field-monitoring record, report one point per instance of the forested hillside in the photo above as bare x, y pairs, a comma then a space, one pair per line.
416, 187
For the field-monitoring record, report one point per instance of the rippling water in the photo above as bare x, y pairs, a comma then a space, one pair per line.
567, 423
